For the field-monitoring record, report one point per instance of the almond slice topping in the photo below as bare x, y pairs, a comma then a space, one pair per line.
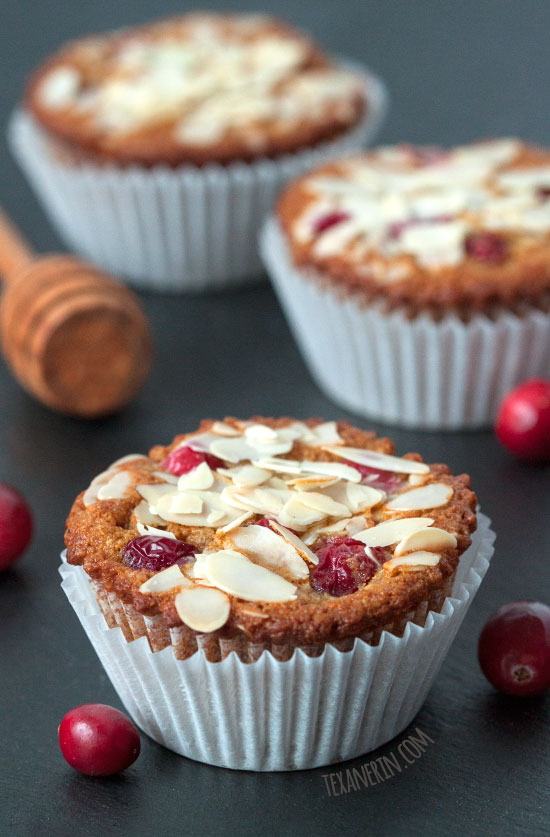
413, 561
235, 523
296, 542
145, 529
181, 503
429, 496
165, 580
203, 609
333, 469
311, 483
392, 531
322, 503
249, 476
294, 515
200, 478
116, 487
373, 459
221, 428
362, 497
429, 540
269, 549
280, 466
236, 575
143, 515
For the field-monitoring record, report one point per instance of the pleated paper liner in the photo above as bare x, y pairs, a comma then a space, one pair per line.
420, 373
293, 713
184, 229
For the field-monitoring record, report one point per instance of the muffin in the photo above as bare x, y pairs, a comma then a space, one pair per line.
416, 280
288, 543
201, 115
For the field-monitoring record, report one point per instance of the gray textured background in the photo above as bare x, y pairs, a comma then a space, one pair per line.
456, 71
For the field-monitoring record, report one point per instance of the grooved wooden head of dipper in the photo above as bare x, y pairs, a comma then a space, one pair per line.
74, 338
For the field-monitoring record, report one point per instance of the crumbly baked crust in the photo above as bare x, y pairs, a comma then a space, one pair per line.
401, 225
97, 533
194, 89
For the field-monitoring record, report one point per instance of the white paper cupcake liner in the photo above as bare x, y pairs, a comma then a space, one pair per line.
272, 715
184, 229
444, 375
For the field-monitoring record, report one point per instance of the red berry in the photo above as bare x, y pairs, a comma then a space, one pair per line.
523, 421
183, 460
15, 525
155, 553
343, 567
514, 648
386, 481
98, 740
487, 247
329, 220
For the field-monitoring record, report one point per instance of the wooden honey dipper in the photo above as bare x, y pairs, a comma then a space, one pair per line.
73, 337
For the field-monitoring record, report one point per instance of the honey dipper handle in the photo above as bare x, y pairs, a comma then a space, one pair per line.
15, 253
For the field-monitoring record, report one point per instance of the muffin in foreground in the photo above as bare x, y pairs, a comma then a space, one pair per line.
183, 101
270, 534
417, 280
309, 549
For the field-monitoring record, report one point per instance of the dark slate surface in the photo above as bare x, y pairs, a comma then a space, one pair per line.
456, 71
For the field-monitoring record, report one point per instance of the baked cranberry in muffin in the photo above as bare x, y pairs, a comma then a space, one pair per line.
299, 537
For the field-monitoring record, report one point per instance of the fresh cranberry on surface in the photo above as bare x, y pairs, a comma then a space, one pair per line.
523, 421
343, 566
182, 460
386, 481
514, 648
155, 553
98, 740
329, 220
16, 525
489, 247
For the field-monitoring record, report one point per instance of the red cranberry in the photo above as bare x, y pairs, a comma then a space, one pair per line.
98, 740
183, 460
265, 521
514, 648
523, 421
487, 247
15, 525
386, 481
543, 193
329, 220
343, 566
155, 553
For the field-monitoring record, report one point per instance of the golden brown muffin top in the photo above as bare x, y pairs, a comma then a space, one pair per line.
463, 228
196, 88
351, 537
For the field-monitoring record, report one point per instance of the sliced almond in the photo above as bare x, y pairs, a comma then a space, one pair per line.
429, 496
296, 542
269, 549
280, 466
392, 531
200, 478
145, 529
322, 503
233, 573
143, 515
232, 449
259, 500
115, 488
333, 469
311, 483
317, 531
180, 503
327, 434
417, 479
249, 476
413, 561
166, 477
215, 516
430, 540
235, 523
294, 515
260, 433
123, 459
373, 459
165, 580
203, 609
153, 493
221, 428
360, 497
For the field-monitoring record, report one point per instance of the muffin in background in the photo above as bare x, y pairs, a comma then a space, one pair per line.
294, 572
417, 280
157, 149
